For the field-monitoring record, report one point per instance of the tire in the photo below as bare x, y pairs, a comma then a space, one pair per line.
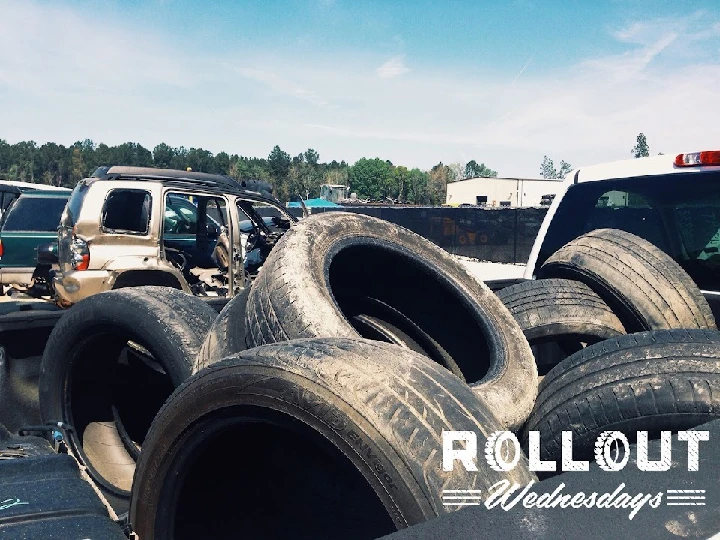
108, 366
227, 333
559, 317
653, 381
646, 288
331, 268
349, 428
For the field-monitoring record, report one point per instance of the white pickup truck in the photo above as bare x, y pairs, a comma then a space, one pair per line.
671, 201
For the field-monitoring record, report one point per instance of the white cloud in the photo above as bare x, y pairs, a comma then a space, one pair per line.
59, 85
392, 68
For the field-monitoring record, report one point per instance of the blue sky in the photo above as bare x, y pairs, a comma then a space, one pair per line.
414, 82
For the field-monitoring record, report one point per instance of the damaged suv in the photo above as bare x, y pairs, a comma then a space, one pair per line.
132, 226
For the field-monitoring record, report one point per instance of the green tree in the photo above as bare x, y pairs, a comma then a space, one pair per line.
78, 165
399, 187
279, 163
222, 163
163, 155
417, 186
641, 148
473, 169
201, 160
311, 157
371, 178
132, 154
437, 183
547, 169
304, 180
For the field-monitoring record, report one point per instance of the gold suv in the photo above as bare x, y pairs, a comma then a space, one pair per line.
132, 226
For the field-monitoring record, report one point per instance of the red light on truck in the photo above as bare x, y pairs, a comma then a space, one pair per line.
2, 249
696, 159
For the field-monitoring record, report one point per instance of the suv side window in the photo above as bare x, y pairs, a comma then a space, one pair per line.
127, 211
180, 215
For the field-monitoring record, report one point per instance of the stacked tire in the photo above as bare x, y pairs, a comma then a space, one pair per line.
331, 381
664, 375
314, 404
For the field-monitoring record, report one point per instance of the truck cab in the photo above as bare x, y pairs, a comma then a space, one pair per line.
671, 201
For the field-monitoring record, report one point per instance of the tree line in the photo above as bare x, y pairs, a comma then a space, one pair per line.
372, 179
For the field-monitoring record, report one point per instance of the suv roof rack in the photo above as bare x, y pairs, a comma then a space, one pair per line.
183, 178
150, 173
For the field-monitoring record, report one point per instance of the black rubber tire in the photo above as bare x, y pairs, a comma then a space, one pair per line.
82, 372
645, 287
657, 380
559, 314
332, 267
372, 407
227, 333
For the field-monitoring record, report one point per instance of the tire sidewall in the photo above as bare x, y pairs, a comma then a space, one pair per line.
86, 321
287, 395
511, 381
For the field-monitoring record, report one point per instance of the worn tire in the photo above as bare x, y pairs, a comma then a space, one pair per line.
645, 287
331, 269
558, 316
227, 333
350, 424
653, 381
90, 378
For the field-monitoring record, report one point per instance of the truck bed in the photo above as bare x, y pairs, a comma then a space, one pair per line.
42, 494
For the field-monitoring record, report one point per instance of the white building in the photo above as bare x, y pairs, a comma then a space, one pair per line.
500, 191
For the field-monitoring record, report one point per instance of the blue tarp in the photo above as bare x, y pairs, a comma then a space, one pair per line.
313, 203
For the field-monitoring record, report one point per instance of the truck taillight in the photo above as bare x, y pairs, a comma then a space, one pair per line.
696, 159
80, 254
2, 249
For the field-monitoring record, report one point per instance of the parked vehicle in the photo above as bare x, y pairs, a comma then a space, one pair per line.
132, 226
31, 219
11, 190
671, 201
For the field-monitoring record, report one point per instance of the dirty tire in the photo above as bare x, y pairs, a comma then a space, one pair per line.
560, 312
333, 273
227, 333
88, 372
363, 418
646, 288
651, 381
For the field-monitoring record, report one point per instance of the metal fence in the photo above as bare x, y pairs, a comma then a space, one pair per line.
489, 234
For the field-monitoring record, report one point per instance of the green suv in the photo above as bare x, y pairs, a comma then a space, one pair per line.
31, 220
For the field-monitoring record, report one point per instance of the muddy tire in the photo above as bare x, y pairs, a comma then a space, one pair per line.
652, 381
108, 366
559, 317
352, 427
348, 275
227, 333
646, 288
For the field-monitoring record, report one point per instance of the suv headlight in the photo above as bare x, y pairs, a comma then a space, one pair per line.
80, 254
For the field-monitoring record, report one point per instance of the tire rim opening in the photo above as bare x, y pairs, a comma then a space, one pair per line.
265, 476
116, 389
394, 296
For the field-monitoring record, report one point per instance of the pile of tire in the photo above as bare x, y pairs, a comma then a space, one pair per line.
321, 393
313, 405
624, 340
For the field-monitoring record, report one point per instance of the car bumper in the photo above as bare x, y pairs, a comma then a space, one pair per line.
72, 287
16, 276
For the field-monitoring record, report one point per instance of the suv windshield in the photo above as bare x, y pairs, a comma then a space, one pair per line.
679, 213
35, 214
